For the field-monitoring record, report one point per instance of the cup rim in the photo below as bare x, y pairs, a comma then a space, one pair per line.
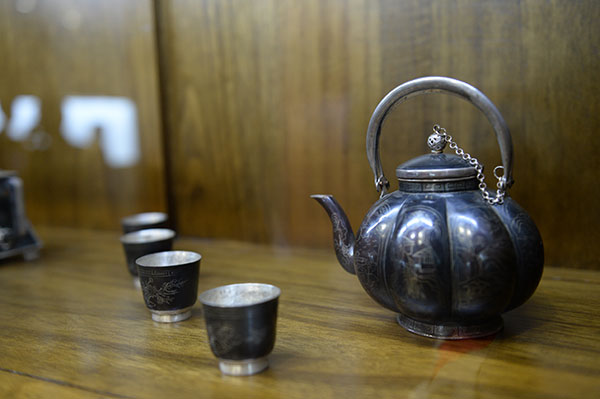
144, 218
168, 259
136, 237
206, 297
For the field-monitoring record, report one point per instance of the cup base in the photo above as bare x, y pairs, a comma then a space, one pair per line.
243, 367
171, 317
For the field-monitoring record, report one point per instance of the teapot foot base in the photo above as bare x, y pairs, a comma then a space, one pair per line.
451, 330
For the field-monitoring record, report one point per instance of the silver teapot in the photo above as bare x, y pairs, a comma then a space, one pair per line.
442, 251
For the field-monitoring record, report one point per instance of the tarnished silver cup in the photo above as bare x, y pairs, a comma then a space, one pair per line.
145, 220
169, 283
144, 242
240, 322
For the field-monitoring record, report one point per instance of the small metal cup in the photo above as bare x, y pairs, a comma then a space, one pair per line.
169, 283
144, 242
146, 220
240, 322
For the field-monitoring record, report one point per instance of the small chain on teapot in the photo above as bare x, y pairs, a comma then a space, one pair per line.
437, 144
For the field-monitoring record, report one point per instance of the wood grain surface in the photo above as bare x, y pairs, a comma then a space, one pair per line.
73, 325
86, 48
269, 101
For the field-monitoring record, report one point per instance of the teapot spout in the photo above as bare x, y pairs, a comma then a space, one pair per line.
343, 237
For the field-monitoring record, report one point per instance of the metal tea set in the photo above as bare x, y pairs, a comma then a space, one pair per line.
444, 253
240, 318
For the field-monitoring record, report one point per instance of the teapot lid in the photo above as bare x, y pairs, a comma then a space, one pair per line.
436, 166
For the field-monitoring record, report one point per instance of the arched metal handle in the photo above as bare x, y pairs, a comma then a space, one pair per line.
436, 84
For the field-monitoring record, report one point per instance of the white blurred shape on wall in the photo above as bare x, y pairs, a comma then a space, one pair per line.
25, 115
114, 117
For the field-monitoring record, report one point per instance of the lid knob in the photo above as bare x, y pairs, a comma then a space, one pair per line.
436, 142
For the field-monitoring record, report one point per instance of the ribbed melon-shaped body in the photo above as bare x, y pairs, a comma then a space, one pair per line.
448, 262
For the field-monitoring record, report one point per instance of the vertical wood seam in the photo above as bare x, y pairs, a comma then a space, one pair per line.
163, 100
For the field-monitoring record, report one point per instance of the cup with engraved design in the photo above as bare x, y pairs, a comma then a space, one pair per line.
240, 322
169, 282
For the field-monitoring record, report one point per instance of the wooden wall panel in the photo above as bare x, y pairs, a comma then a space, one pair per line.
52, 49
268, 101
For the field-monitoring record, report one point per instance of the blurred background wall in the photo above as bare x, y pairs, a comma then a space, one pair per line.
73, 53
236, 111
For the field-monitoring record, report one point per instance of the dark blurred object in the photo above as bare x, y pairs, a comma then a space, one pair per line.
16, 233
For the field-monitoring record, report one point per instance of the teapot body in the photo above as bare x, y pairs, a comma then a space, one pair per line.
448, 262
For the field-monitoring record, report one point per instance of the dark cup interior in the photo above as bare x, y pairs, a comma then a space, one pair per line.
144, 242
241, 320
146, 220
169, 279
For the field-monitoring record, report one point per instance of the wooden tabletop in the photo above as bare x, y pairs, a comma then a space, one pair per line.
73, 325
